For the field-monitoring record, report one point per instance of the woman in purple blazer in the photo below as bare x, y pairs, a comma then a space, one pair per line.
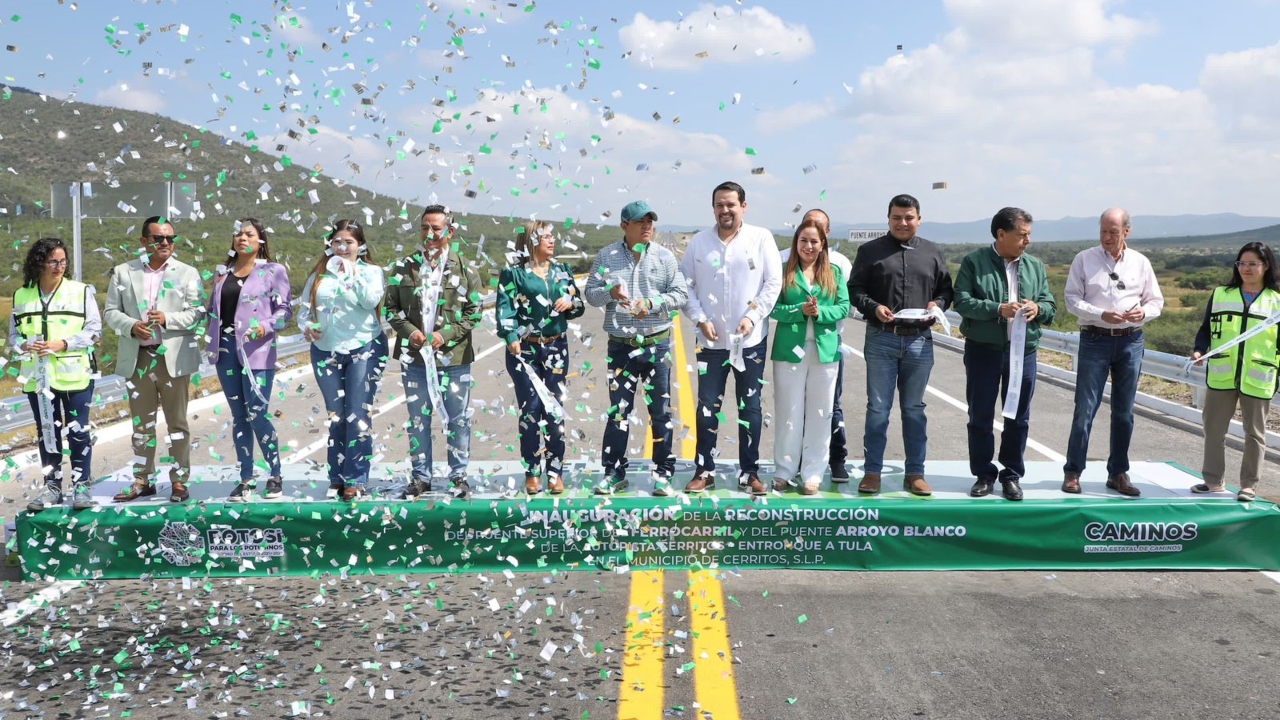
249, 304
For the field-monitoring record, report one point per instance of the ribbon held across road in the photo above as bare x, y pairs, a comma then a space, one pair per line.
1017, 350
1242, 338
44, 400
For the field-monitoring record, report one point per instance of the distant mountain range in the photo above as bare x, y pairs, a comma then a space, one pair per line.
1078, 228
1065, 229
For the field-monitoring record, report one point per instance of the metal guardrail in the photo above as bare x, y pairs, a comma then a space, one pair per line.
1161, 365
15, 412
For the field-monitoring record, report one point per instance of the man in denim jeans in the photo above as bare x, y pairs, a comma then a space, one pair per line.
896, 272
1113, 291
734, 272
640, 287
437, 281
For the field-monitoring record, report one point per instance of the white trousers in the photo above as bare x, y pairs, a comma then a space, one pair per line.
803, 395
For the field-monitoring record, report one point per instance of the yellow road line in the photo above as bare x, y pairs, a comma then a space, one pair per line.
681, 398
716, 693
681, 374
641, 695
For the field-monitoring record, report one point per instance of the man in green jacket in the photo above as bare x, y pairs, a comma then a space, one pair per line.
1003, 298
440, 339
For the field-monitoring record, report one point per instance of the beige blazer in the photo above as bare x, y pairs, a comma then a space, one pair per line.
179, 300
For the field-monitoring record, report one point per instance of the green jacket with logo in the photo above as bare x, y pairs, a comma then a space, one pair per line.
981, 288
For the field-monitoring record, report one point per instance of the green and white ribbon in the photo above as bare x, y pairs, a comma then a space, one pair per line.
44, 401
1239, 340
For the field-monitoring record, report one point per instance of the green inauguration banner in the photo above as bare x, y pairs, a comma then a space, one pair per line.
299, 538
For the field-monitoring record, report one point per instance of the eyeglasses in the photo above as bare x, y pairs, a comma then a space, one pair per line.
1116, 279
162, 239
55, 263
1249, 264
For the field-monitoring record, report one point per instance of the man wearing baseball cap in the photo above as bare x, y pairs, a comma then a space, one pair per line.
640, 287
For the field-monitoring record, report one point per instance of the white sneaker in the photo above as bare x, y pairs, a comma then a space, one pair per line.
81, 498
661, 485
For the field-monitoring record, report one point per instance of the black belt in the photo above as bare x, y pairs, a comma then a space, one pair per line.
1110, 332
640, 341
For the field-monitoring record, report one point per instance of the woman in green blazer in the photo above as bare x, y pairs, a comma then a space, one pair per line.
806, 354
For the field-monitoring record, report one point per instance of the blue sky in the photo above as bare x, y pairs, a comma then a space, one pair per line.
1064, 107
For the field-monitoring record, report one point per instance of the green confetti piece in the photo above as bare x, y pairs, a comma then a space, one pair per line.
751, 151
802, 619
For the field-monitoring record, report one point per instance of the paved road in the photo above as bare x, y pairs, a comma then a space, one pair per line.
762, 644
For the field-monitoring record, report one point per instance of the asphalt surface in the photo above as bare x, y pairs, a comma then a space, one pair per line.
803, 644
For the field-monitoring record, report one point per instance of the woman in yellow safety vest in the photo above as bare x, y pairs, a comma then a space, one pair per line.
55, 325
1245, 371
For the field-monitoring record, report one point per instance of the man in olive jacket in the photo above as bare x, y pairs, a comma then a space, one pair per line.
438, 274
994, 286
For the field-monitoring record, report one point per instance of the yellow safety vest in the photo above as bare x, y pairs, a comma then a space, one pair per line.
1251, 366
61, 318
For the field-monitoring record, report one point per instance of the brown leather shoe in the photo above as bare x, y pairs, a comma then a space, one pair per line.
1120, 483
1071, 483
755, 486
781, 485
555, 484
134, 491
701, 482
531, 485
870, 484
916, 485
179, 492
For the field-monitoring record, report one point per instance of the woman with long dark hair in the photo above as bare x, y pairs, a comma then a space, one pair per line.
1240, 369
806, 358
55, 325
249, 305
536, 299
338, 314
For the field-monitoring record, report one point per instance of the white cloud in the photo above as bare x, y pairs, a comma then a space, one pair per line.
725, 34
1245, 87
132, 96
1044, 25
572, 159
1003, 125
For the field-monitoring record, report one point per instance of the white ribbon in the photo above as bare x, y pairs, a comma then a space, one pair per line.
253, 379
921, 314
1017, 351
1242, 338
430, 294
44, 401
736, 342
548, 398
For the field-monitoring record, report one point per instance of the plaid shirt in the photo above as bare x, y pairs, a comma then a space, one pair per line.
655, 277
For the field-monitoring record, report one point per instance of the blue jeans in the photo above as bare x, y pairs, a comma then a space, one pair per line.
1100, 355
986, 378
550, 362
249, 415
839, 445
70, 411
349, 382
901, 362
456, 394
747, 385
644, 369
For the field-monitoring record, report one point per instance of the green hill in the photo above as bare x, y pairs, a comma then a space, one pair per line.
45, 140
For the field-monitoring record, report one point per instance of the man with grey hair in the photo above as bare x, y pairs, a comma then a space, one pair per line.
1113, 291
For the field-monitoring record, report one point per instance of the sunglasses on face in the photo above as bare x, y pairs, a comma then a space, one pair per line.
162, 239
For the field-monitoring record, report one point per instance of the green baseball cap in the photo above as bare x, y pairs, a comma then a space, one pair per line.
638, 210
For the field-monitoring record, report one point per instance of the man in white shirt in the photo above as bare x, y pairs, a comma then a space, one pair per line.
839, 448
1112, 289
734, 273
